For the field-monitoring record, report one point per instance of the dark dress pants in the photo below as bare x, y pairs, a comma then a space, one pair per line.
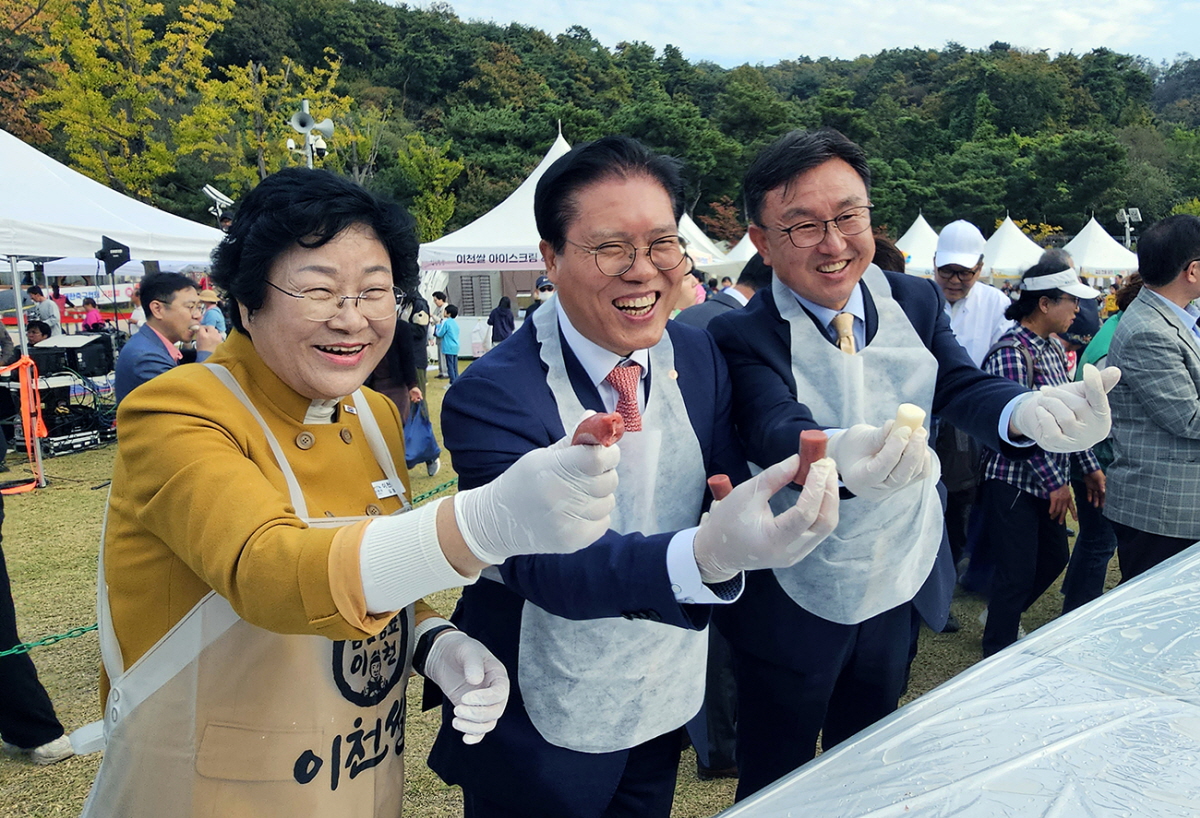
646, 788
1028, 551
26, 715
714, 729
1139, 551
852, 677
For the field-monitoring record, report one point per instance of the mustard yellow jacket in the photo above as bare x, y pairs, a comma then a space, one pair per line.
198, 503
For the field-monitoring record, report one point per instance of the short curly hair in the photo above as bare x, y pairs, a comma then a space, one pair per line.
309, 208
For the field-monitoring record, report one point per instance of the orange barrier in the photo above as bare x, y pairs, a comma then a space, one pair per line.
31, 418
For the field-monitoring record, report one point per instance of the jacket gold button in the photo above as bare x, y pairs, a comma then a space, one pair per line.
305, 440
374, 510
346, 436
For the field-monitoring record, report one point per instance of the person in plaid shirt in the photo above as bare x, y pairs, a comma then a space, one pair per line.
1025, 502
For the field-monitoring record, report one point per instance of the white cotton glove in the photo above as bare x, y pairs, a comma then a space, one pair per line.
876, 461
740, 533
554, 500
1068, 418
474, 681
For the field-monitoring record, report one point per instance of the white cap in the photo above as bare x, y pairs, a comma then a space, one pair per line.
1066, 280
959, 243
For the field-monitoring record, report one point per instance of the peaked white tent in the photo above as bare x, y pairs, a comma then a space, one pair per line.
700, 247
743, 251
504, 238
918, 245
1009, 252
47, 209
1097, 253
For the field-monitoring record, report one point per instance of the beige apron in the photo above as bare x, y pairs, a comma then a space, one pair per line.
602, 685
882, 551
223, 719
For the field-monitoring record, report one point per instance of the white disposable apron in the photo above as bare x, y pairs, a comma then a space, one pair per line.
225, 719
882, 551
603, 685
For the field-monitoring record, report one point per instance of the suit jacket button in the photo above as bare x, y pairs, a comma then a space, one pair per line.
346, 436
305, 440
374, 510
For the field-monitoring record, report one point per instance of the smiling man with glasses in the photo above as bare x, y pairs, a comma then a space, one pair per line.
835, 343
606, 648
173, 314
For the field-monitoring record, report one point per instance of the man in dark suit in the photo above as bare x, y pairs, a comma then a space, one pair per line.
836, 343
173, 313
713, 730
606, 648
1154, 481
754, 276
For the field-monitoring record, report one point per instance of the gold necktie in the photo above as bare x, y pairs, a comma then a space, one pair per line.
843, 322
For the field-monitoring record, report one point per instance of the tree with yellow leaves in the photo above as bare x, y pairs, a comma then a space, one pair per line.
118, 87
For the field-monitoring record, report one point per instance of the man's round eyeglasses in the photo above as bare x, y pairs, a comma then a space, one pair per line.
320, 304
616, 258
812, 232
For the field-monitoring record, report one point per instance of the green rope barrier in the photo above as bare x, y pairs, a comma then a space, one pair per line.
420, 498
25, 647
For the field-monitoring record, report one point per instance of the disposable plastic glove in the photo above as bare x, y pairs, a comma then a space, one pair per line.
1068, 418
740, 533
473, 680
555, 500
876, 461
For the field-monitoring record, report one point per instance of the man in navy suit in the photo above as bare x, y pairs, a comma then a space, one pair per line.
754, 276
173, 313
836, 343
606, 647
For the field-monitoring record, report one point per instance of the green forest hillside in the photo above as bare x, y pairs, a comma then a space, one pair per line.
447, 116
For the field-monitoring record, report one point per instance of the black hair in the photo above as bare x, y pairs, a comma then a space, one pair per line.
452, 311
1166, 248
793, 154
620, 157
887, 255
92, 301
1025, 305
440, 296
40, 326
505, 303
756, 274
35, 290
162, 287
726, 278
309, 208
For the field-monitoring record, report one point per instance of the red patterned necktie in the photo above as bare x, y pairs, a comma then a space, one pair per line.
626, 380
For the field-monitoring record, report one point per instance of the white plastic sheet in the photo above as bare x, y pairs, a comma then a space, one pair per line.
1096, 714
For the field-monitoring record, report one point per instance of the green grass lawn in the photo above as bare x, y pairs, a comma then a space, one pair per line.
51, 539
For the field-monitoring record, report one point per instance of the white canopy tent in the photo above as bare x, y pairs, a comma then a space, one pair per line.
504, 238
700, 247
731, 263
49, 210
918, 244
1009, 252
1096, 253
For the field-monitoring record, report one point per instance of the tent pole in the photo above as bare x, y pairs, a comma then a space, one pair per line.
28, 398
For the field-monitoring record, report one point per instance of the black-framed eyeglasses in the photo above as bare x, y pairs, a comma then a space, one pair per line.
812, 232
320, 304
616, 258
961, 273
